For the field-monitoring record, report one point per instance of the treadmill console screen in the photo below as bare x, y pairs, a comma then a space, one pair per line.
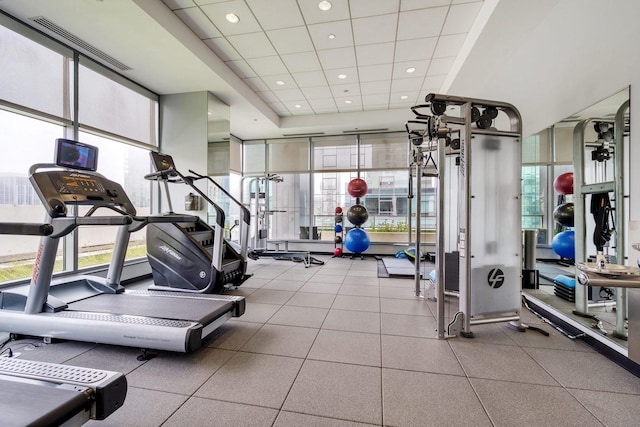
162, 162
75, 155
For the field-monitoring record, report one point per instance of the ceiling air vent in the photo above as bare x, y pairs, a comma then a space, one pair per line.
365, 130
77, 41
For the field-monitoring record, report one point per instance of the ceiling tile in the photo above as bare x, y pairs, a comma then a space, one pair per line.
375, 88
440, 66
241, 68
298, 108
291, 40
350, 73
344, 107
323, 104
253, 45
289, 95
375, 54
178, 4
422, 4
256, 84
433, 82
195, 19
375, 29
345, 90
286, 79
461, 17
279, 108
340, 29
410, 97
203, 2
310, 79
400, 69
313, 15
380, 100
223, 49
362, 8
301, 62
267, 66
400, 103
268, 97
412, 25
406, 85
337, 58
449, 45
372, 73
317, 92
217, 12
269, 13
409, 50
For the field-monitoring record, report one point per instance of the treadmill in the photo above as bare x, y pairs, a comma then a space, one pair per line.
46, 394
96, 309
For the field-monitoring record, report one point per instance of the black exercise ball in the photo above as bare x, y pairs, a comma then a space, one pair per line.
357, 215
563, 214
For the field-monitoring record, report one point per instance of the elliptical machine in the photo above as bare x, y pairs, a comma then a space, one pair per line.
193, 256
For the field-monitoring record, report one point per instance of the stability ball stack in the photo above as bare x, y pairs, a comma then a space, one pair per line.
357, 241
338, 229
563, 242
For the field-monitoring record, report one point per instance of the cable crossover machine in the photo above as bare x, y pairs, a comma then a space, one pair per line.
484, 223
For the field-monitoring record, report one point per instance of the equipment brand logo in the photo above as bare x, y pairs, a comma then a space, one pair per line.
495, 278
167, 250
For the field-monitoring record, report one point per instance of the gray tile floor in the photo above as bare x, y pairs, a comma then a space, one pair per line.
335, 345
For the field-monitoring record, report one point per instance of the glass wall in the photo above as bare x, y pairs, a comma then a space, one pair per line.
37, 107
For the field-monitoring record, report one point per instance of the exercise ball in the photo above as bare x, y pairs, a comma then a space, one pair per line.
563, 183
563, 244
338, 239
357, 214
337, 228
338, 209
337, 252
357, 240
357, 187
338, 219
563, 214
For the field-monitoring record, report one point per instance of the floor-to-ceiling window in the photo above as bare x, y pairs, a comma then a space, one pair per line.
38, 104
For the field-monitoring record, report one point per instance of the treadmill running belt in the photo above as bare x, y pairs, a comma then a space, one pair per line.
23, 403
201, 311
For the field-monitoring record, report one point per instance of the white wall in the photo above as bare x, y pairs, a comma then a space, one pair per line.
183, 135
553, 58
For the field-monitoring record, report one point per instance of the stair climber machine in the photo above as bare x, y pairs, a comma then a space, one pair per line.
37, 393
95, 309
190, 255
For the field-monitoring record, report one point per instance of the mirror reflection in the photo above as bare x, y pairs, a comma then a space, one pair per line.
575, 213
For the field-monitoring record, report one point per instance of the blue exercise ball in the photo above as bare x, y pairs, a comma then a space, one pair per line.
357, 240
338, 228
564, 244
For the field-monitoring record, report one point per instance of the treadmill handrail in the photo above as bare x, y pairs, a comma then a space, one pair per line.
246, 213
25, 229
139, 222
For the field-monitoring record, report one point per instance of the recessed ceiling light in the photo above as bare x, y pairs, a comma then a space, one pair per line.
342, 76
233, 18
404, 97
348, 101
332, 36
324, 5
279, 82
410, 69
298, 106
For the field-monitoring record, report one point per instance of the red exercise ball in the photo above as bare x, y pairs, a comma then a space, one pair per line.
337, 252
338, 209
563, 184
357, 187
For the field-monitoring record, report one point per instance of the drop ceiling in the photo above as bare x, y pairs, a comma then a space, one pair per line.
286, 67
